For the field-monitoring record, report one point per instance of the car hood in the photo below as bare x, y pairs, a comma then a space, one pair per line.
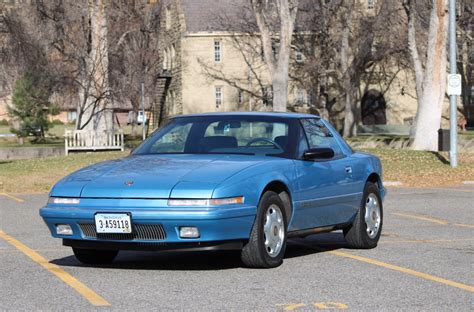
154, 176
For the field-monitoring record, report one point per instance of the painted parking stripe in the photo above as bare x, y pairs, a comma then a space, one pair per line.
432, 220
422, 275
423, 218
17, 199
464, 225
427, 241
67, 278
291, 306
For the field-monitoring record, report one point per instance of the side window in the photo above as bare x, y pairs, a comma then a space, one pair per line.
173, 141
318, 135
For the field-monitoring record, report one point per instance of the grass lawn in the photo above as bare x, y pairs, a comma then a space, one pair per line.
38, 175
424, 169
412, 168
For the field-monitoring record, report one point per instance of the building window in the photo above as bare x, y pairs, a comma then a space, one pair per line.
169, 64
299, 57
241, 97
173, 56
300, 96
266, 96
71, 116
370, 4
219, 96
165, 60
274, 50
275, 46
168, 17
217, 51
173, 103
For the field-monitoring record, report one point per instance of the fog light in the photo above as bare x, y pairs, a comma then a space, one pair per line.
188, 232
63, 229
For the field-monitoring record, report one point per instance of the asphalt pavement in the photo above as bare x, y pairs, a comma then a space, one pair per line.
424, 261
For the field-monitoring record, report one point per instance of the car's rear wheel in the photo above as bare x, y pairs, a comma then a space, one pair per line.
364, 232
267, 242
94, 256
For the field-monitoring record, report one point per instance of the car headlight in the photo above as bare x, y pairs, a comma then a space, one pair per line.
206, 202
64, 201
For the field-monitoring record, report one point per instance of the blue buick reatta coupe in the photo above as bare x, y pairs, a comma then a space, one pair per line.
221, 181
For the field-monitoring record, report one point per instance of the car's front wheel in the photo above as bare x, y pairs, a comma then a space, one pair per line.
267, 242
364, 232
93, 256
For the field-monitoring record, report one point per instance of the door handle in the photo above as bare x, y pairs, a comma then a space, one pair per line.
349, 170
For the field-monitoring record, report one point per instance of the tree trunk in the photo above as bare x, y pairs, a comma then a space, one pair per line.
280, 89
433, 86
349, 118
278, 66
96, 109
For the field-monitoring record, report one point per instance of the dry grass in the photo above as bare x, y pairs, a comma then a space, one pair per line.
424, 169
38, 175
420, 169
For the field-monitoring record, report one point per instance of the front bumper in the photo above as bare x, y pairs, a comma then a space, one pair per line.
216, 224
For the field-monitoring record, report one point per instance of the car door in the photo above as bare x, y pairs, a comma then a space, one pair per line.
324, 196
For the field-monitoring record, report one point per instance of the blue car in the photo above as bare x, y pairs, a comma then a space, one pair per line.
246, 181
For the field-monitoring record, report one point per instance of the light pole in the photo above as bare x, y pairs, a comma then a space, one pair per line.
452, 81
143, 112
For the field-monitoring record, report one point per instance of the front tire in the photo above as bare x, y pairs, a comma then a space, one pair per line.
94, 256
364, 233
267, 242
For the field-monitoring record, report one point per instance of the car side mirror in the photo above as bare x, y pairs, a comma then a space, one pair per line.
319, 153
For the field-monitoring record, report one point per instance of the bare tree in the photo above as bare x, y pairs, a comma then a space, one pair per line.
429, 62
75, 36
349, 49
135, 59
97, 71
465, 42
269, 24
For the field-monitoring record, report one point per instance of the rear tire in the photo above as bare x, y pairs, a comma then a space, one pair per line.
267, 242
94, 256
364, 232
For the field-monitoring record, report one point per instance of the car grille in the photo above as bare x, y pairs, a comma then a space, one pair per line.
140, 232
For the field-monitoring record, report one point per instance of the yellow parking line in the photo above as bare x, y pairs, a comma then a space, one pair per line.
432, 220
423, 218
424, 241
67, 278
13, 197
404, 270
291, 306
464, 225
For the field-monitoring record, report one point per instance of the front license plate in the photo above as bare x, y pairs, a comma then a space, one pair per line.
113, 223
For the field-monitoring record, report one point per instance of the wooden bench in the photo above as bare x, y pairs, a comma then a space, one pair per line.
85, 140
389, 130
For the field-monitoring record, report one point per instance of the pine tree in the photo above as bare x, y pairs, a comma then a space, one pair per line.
31, 106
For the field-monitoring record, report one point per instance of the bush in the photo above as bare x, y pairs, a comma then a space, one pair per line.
56, 122
4, 122
31, 106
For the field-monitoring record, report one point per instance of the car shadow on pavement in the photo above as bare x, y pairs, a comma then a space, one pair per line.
207, 260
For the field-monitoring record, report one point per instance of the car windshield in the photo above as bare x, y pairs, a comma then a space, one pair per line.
247, 135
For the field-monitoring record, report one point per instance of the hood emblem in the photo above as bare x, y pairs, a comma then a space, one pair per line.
128, 183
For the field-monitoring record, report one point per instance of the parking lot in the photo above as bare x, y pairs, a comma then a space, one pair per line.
424, 261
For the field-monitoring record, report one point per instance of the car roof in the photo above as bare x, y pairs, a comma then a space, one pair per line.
243, 114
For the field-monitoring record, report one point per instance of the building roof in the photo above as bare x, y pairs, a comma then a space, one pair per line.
234, 15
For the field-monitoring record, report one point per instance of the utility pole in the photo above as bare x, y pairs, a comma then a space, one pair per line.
454, 85
143, 112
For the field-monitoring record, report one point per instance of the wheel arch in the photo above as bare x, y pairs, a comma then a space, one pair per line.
285, 195
375, 178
